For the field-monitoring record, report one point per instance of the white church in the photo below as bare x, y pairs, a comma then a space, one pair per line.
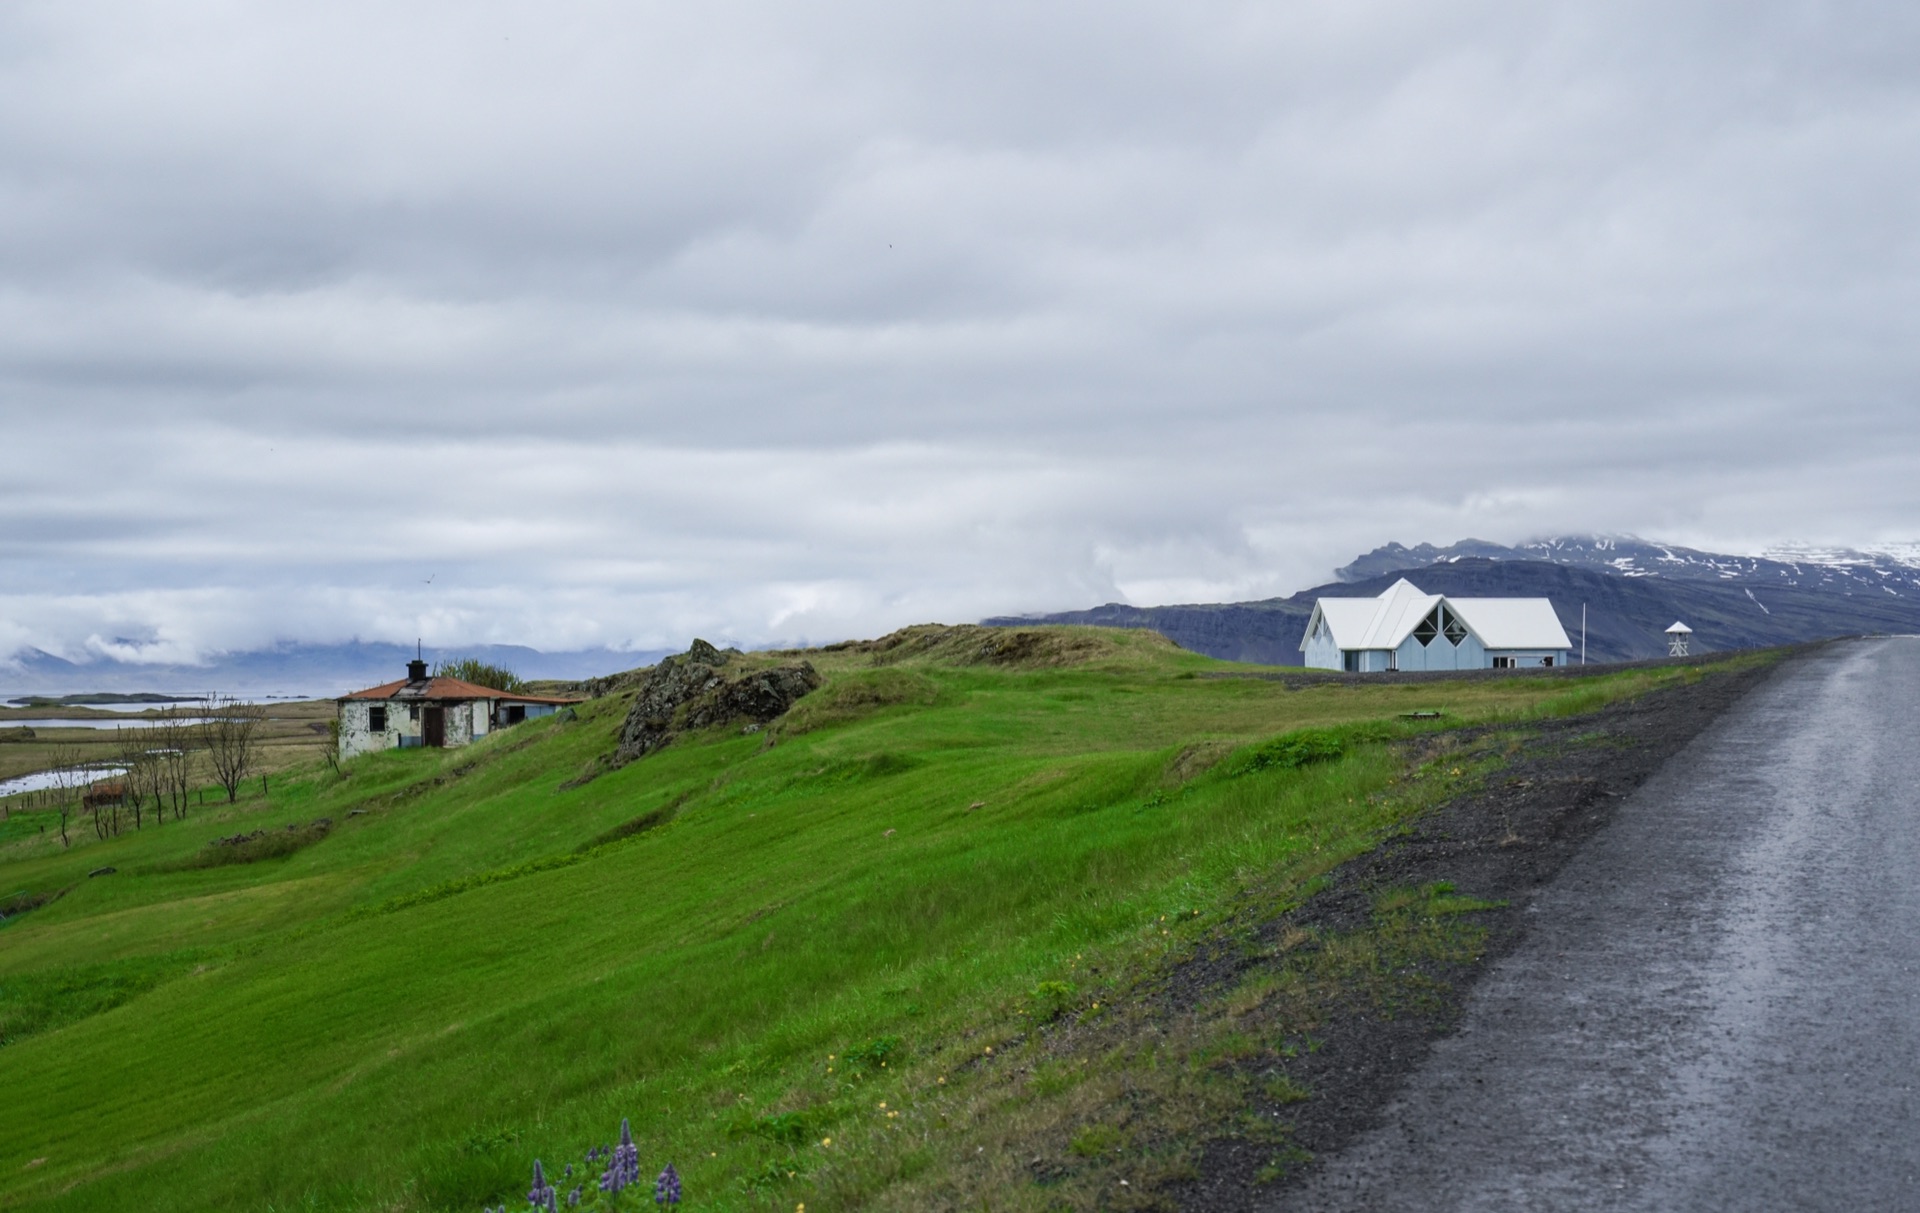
1408, 629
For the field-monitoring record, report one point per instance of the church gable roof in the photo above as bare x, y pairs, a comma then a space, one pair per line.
1374, 623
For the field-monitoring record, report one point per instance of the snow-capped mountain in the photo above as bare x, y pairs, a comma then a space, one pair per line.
1890, 569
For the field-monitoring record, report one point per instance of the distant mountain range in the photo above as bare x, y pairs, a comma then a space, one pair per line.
1889, 570
1631, 589
304, 670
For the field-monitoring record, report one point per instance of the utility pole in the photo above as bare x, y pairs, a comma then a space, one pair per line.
1583, 633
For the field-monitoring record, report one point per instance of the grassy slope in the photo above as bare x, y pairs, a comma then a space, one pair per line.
314, 1032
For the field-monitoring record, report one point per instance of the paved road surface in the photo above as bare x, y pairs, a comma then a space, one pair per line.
1718, 1005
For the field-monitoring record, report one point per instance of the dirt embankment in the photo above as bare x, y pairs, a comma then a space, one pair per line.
1501, 845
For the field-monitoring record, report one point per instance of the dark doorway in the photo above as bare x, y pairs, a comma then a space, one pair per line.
433, 727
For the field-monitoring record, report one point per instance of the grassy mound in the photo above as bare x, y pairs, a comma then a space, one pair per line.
834, 968
856, 695
1032, 648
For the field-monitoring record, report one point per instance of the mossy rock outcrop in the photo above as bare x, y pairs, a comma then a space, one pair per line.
697, 689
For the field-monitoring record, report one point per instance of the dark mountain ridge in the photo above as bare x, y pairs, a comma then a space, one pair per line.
1626, 615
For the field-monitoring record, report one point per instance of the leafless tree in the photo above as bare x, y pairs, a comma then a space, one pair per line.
173, 747
68, 778
104, 803
132, 748
229, 734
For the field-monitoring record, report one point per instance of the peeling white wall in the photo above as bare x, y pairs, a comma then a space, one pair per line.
465, 721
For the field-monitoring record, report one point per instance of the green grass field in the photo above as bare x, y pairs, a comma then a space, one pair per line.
809, 971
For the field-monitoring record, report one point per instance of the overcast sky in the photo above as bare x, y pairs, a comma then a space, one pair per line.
571, 324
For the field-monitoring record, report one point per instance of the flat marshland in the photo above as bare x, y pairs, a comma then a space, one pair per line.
292, 734
899, 950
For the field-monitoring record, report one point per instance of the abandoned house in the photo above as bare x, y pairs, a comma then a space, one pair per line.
423, 711
1408, 629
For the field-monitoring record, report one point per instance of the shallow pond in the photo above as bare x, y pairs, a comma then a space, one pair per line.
57, 723
39, 781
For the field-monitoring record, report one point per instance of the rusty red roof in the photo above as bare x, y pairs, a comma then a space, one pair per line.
446, 688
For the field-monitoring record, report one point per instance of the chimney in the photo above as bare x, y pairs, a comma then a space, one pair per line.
417, 668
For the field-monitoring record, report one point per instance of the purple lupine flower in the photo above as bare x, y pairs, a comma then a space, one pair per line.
666, 1189
573, 1199
625, 1167
628, 1154
541, 1194
568, 1174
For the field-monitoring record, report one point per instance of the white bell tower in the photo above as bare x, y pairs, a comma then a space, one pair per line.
1677, 639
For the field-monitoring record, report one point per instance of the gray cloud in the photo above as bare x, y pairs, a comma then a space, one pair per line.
630, 321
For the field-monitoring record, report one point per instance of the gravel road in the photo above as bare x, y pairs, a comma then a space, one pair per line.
1717, 1005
